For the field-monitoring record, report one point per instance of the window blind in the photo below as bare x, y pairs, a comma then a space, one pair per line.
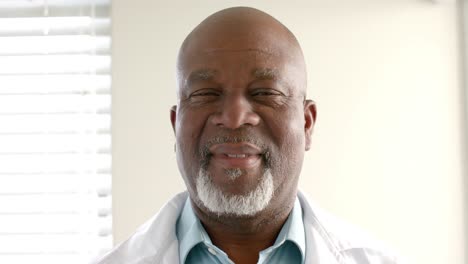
55, 140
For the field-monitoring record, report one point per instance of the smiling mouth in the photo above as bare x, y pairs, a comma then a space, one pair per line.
235, 155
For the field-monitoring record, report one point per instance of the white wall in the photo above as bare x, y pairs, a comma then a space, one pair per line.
388, 147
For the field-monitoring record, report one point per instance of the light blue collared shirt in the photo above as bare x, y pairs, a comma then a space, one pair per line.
195, 245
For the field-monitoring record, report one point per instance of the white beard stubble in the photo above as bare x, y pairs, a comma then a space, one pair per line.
216, 201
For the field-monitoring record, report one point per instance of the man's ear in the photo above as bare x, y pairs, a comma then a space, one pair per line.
310, 115
173, 116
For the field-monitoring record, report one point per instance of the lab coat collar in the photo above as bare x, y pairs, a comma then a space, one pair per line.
156, 241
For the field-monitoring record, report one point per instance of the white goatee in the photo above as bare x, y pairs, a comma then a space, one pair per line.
221, 203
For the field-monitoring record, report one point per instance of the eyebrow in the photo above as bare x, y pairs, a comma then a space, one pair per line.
265, 74
209, 74
200, 75
270, 74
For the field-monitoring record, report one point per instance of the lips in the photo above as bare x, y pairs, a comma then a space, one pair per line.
235, 155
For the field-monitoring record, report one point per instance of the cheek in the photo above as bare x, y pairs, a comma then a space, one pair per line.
287, 130
189, 128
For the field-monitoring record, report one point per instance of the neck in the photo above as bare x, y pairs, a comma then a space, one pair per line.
242, 238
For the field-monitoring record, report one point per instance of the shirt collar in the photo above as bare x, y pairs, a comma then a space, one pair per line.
293, 230
190, 231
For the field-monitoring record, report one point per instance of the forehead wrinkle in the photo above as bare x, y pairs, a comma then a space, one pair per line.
268, 52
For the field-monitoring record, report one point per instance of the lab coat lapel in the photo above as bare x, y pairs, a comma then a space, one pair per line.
320, 249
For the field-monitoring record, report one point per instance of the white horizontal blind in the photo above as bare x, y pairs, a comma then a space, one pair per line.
55, 141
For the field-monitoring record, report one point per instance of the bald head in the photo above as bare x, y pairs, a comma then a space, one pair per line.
241, 29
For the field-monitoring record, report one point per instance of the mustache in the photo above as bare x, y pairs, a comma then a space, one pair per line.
234, 138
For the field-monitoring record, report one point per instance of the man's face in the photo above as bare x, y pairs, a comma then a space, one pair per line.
242, 123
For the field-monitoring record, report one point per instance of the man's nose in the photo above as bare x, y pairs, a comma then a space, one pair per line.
235, 112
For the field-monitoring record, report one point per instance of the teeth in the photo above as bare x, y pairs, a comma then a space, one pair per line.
239, 156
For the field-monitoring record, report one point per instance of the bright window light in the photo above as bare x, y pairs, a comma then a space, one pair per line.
55, 136
45, 24
60, 64
53, 44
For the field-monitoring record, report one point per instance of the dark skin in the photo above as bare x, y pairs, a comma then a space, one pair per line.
242, 73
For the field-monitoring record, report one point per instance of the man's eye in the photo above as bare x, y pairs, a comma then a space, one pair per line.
205, 93
267, 92
263, 94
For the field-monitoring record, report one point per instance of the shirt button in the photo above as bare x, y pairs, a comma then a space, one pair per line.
212, 251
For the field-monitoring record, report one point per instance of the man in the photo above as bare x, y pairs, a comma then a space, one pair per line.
242, 124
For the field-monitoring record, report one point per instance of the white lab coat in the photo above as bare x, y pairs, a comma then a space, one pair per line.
328, 241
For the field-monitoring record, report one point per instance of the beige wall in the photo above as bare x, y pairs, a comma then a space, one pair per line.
388, 146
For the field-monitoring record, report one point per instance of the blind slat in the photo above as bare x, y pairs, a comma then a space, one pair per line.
53, 183
35, 8
71, 4
78, 202
43, 224
77, 124
53, 103
74, 44
58, 163
50, 64
51, 244
41, 26
49, 258
54, 84
54, 143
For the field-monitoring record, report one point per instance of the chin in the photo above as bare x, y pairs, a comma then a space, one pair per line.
220, 202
